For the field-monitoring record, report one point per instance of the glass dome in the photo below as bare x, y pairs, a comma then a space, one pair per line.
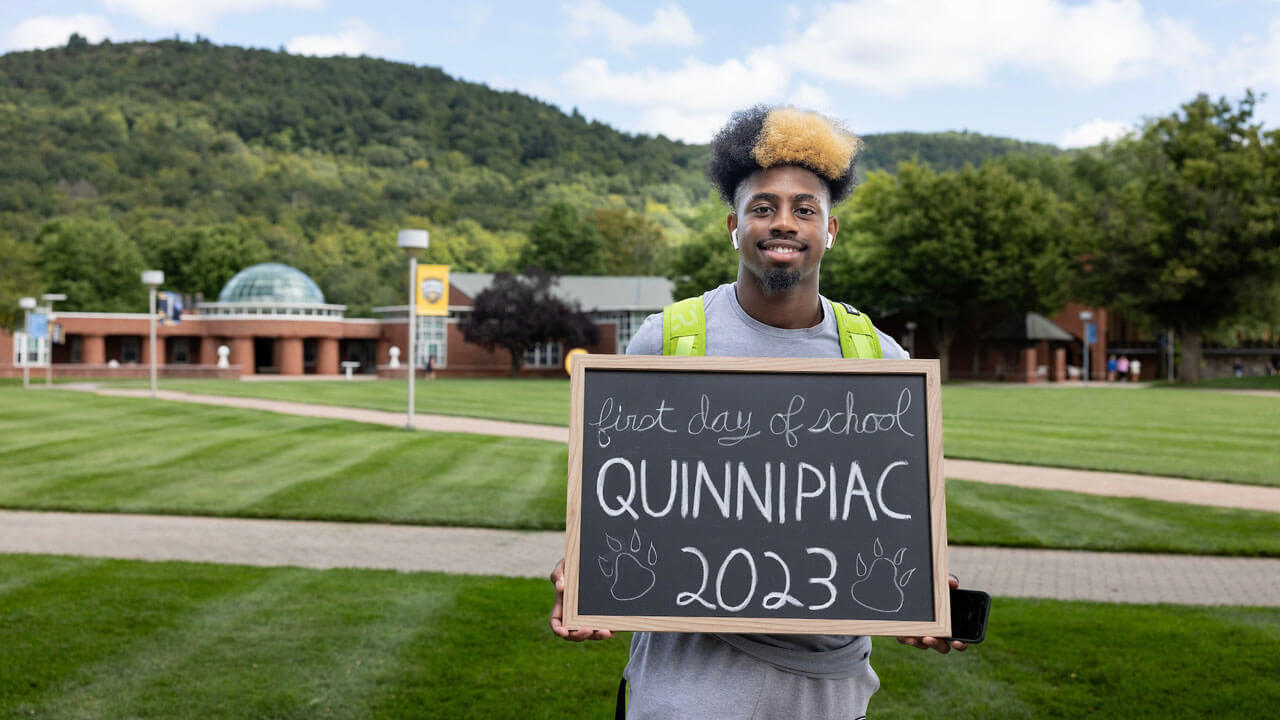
271, 283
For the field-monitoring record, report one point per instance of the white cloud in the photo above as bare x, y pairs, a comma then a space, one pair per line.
689, 102
669, 26
1252, 62
356, 38
46, 31
695, 85
811, 97
1094, 132
681, 124
892, 47
194, 15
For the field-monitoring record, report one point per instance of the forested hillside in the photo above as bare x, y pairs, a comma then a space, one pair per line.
200, 159
941, 151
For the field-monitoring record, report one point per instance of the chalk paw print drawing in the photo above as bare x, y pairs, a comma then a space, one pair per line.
879, 587
632, 572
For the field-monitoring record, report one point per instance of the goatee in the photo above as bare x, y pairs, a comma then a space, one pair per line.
776, 280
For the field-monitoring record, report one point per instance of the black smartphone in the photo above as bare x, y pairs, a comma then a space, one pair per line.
969, 610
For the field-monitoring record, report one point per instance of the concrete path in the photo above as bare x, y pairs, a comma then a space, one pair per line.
1196, 492
1113, 484
436, 423
1007, 572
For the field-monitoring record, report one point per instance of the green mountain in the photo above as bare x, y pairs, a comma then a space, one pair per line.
206, 158
942, 151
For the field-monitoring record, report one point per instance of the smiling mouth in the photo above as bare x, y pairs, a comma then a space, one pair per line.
781, 249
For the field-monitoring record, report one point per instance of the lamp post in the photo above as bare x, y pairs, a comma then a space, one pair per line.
153, 279
49, 299
413, 242
27, 304
1085, 317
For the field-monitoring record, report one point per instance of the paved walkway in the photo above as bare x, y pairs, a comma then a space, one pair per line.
1196, 492
437, 423
1007, 572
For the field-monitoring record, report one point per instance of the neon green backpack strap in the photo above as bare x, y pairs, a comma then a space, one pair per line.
858, 337
684, 328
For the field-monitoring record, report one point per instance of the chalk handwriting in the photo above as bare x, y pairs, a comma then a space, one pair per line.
775, 600
731, 491
732, 427
846, 421
612, 418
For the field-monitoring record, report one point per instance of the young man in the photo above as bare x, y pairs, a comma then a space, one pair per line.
780, 170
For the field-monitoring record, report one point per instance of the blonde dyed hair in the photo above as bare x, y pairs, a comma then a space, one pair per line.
791, 136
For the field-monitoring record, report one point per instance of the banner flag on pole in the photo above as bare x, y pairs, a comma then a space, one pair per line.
169, 308
38, 325
433, 290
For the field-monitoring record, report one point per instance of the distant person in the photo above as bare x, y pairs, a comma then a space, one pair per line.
1122, 367
431, 367
1135, 370
1111, 368
1273, 367
1237, 368
781, 170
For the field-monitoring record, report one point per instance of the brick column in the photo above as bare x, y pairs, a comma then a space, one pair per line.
146, 350
209, 350
93, 350
1059, 364
1029, 364
242, 354
327, 356
291, 359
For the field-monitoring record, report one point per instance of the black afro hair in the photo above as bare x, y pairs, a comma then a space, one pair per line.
765, 136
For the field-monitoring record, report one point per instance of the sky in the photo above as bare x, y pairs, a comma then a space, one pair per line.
1066, 73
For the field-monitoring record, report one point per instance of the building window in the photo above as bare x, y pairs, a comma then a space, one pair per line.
432, 341
181, 351
37, 349
544, 355
626, 322
130, 350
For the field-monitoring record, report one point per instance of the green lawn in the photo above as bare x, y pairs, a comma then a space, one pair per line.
85, 638
528, 400
1251, 382
980, 514
1200, 435
73, 451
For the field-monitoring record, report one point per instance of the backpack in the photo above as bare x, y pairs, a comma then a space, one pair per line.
684, 330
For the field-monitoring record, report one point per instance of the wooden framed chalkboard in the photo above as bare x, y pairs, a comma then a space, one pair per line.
756, 495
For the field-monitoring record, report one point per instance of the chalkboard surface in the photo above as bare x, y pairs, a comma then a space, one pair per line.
756, 495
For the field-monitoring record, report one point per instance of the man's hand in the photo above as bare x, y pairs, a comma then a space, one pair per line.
557, 613
939, 644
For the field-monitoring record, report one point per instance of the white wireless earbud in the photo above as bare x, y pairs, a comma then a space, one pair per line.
734, 237
831, 240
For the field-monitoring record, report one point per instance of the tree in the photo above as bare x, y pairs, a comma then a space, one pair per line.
201, 259
519, 312
18, 280
631, 243
92, 263
1192, 240
707, 259
563, 243
950, 248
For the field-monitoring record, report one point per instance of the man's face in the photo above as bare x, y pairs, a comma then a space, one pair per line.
782, 222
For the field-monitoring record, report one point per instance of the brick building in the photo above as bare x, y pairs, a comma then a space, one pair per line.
273, 320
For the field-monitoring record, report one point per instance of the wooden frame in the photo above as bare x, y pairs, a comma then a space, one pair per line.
940, 626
